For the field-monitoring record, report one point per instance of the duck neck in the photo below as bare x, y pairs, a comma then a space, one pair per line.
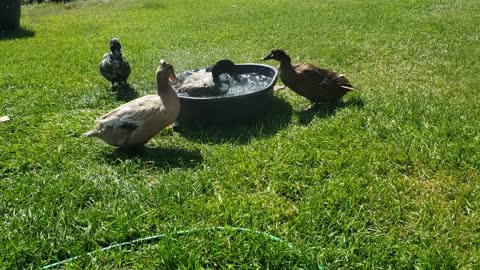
117, 53
221, 82
286, 63
219, 78
163, 86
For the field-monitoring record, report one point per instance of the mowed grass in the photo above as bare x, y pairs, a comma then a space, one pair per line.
388, 179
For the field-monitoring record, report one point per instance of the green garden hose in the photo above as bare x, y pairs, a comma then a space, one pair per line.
175, 233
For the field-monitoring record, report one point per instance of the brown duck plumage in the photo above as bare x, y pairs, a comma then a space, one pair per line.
314, 83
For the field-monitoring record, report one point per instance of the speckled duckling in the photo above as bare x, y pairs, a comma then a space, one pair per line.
212, 81
114, 67
133, 124
318, 85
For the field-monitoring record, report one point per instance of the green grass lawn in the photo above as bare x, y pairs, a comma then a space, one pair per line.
387, 180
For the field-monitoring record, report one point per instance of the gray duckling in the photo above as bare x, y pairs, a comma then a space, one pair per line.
114, 67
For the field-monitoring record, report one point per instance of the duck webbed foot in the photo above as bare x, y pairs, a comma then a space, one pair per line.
319, 103
114, 87
175, 124
325, 103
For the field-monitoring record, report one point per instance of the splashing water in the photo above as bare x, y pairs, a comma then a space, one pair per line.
248, 83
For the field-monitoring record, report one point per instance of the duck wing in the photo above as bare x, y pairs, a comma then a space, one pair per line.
201, 75
322, 76
312, 73
105, 65
197, 84
114, 67
133, 114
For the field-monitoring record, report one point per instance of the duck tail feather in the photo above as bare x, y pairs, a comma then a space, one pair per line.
345, 83
91, 133
349, 88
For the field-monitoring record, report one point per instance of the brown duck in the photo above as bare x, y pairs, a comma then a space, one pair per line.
316, 84
133, 124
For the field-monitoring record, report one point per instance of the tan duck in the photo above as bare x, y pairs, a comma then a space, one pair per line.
134, 123
316, 84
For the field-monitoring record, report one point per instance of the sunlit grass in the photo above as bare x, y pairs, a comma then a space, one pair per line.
388, 179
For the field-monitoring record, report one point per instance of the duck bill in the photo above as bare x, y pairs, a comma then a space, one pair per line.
268, 57
173, 77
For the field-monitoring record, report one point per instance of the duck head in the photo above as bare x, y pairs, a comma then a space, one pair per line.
115, 45
222, 73
279, 55
165, 73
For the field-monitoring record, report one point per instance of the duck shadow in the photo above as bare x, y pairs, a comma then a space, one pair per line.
124, 92
326, 110
163, 157
276, 118
16, 34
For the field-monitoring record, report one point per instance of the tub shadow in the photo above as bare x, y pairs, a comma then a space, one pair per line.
163, 157
124, 92
16, 34
326, 110
276, 118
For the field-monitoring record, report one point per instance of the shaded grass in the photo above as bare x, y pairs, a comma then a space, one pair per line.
386, 179
18, 33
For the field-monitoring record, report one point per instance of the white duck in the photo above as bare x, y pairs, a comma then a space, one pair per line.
134, 123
